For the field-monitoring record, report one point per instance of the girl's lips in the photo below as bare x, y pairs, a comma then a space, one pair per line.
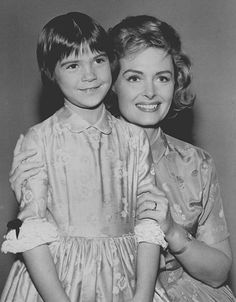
148, 107
89, 89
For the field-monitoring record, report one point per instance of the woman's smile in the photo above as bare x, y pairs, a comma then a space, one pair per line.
148, 107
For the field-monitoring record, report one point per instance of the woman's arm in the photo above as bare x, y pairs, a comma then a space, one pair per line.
42, 270
207, 263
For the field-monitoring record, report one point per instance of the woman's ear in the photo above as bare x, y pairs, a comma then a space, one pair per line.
113, 88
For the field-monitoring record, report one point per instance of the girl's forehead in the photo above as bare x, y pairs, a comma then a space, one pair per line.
83, 52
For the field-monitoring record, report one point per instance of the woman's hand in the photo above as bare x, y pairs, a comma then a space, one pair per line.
153, 204
22, 169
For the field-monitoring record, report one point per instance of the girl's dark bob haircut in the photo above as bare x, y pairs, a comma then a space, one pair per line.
67, 34
136, 33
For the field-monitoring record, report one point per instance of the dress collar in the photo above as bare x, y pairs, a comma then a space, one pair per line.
69, 117
159, 146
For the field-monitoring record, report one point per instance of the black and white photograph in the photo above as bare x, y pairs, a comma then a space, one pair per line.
117, 157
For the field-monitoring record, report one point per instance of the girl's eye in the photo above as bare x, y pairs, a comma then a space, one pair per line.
100, 60
72, 66
133, 78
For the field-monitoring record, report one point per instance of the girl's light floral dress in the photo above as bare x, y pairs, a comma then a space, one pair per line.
82, 204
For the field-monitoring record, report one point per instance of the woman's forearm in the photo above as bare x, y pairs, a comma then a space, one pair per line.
205, 263
43, 273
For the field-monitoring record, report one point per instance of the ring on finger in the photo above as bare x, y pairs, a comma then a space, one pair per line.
154, 206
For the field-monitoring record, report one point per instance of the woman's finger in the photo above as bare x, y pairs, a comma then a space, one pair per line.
24, 176
150, 197
154, 205
21, 158
17, 183
18, 145
150, 188
23, 168
149, 214
145, 206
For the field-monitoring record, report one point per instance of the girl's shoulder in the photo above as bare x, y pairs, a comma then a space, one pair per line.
126, 127
43, 128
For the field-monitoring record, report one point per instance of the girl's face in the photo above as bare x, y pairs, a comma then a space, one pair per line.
145, 86
84, 79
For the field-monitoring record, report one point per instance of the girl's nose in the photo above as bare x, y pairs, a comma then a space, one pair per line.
149, 90
89, 73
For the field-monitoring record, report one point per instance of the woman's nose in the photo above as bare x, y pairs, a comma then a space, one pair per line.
149, 90
89, 74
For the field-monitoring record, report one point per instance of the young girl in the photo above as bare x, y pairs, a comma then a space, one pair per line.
77, 215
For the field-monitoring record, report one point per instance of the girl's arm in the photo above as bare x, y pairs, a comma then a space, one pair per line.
35, 232
42, 271
147, 269
148, 232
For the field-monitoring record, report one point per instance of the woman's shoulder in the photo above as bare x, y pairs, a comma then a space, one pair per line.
186, 148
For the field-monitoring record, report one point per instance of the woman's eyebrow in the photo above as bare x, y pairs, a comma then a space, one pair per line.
140, 72
132, 70
165, 71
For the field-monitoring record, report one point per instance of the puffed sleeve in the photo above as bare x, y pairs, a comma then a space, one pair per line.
147, 230
35, 229
212, 227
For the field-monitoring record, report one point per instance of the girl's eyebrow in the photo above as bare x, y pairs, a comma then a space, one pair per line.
101, 54
74, 61
64, 62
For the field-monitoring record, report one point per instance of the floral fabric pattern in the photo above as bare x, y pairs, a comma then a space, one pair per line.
187, 174
87, 193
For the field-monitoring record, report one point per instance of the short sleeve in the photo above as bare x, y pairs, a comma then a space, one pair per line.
146, 168
35, 229
147, 230
212, 227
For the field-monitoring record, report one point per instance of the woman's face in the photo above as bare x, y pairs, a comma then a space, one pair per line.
145, 86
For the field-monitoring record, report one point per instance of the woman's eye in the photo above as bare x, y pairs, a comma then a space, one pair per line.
163, 79
133, 78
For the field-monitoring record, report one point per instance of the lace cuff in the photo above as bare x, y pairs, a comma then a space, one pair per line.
33, 232
149, 231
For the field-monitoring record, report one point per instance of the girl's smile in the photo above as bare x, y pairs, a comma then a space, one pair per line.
84, 79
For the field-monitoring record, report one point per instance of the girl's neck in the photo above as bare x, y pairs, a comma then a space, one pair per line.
91, 115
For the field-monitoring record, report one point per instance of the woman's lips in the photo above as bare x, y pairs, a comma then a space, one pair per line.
148, 107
